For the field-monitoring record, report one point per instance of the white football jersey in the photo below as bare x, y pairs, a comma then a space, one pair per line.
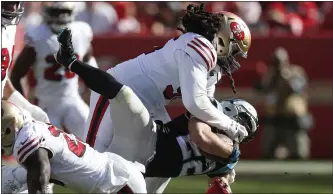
73, 162
53, 80
7, 50
156, 78
163, 65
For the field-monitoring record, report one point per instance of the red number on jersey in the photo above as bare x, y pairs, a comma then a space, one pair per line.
169, 94
5, 59
51, 72
77, 147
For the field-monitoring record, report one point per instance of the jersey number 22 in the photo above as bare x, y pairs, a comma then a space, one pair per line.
51, 74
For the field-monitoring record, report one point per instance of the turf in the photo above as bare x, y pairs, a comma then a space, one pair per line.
312, 184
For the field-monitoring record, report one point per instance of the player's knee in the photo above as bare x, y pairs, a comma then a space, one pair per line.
127, 100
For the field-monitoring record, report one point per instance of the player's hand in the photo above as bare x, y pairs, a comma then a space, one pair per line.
237, 132
65, 54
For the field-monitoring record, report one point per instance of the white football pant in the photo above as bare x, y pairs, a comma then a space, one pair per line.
134, 130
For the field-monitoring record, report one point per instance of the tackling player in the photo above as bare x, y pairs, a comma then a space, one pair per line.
51, 155
57, 89
185, 66
138, 138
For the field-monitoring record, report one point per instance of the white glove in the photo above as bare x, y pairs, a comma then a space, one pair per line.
236, 132
36, 112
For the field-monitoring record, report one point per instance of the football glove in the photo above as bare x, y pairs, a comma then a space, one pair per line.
65, 55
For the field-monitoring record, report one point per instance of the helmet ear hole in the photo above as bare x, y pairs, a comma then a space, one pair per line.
221, 43
7, 132
227, 109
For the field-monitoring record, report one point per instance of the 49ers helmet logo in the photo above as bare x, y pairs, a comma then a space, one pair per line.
237, 30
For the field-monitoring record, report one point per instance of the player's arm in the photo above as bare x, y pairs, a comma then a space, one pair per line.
16, 97
202, 135
24, 62
38, 170
193, 84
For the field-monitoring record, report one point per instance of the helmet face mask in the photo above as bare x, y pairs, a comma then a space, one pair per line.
12, 120
58, 14
242, 112
232, 40
11, 12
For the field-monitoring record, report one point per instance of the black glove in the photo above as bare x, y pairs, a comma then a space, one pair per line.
65, 55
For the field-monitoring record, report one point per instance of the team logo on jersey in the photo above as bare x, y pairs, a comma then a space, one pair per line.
237, 30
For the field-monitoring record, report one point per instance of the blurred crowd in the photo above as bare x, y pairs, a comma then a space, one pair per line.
162, 18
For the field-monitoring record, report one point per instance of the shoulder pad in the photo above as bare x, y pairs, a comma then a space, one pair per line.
201, 50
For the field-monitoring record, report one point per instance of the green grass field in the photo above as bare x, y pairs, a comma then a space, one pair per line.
199, 185
263, 177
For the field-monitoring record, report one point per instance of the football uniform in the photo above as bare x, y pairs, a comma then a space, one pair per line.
163, 150
57, 89
75, 164
7, 50
177, 156
156, 78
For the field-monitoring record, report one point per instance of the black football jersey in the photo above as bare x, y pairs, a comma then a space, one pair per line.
177, 156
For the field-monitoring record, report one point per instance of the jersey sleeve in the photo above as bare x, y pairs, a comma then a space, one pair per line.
28, 141
202, 51
193, 84
26, 144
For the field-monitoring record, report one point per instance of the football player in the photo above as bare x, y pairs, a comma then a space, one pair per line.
11, 13
51, 155
57, 89
138, 138
184, 66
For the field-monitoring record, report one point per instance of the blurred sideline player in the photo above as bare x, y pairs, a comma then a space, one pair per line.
184, 67
11, 13
57, 89
51, 155
164, 150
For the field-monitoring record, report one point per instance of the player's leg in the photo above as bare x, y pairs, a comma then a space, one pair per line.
156, 185
122, 175
134, 130
98, 128
75, 117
